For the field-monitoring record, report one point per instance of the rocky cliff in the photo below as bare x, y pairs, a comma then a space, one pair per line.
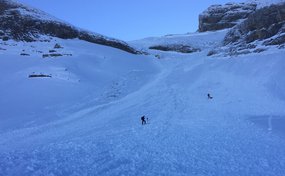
266, 24
263, 29
22, 23
218, 17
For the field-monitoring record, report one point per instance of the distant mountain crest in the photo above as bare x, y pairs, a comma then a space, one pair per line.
22, 23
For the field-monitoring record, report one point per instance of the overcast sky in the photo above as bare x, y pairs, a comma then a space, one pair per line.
129, 19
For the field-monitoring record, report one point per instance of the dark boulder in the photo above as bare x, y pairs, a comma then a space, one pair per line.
57, 46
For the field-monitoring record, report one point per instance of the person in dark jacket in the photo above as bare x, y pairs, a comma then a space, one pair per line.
143, 120
209, 96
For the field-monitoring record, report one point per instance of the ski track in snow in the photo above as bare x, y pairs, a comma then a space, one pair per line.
187, 133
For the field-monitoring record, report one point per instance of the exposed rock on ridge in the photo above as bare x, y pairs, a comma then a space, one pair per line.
266, 23
21, 23
218, 17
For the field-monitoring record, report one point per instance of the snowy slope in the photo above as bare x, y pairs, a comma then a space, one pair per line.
23, 23
204, 41
30, 12
87, 71
87, 121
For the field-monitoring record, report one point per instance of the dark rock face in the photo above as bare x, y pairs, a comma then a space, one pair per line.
39, 76
279, 40
264, 27
22, 23
265, 23
176, 48
53, 55
219, 17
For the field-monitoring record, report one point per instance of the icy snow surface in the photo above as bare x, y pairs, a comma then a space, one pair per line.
85, 120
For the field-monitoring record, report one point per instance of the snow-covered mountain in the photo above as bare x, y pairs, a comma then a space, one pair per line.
249, 27
23, 23
79, 114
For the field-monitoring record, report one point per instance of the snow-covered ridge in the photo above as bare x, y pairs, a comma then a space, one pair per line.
22, 23
30, 12
252, 29
200, 41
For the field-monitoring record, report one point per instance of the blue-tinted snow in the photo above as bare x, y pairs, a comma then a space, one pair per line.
86, 119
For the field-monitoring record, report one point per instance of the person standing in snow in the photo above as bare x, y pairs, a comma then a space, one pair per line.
143, 120
209, 96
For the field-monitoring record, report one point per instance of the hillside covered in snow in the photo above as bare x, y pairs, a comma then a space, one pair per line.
22, 23
74, 107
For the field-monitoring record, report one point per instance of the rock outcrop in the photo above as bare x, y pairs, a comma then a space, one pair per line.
218, 17
176, 48
266, 25
22, 23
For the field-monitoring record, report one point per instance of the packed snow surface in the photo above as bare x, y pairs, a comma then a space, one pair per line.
85, 119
